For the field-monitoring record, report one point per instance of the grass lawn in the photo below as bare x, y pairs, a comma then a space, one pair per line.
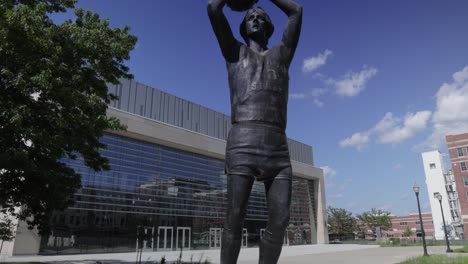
464, 249
436, 259
417, 244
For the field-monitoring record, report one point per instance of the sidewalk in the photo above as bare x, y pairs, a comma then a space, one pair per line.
380, 255
317, 254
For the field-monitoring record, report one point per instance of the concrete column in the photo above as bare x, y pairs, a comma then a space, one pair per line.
313, 225
322, 230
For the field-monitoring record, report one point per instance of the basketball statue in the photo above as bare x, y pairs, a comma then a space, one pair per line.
257, 146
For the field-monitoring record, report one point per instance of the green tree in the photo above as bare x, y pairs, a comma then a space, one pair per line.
376, 218
6, 231
53, 101
340, 221
407, 233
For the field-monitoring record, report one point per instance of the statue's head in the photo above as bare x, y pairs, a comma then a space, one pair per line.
256, 24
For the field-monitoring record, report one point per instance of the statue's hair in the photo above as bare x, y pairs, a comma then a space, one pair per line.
269, 25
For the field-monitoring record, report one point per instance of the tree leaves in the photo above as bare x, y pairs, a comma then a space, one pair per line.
340, 221
53, 101
376, 218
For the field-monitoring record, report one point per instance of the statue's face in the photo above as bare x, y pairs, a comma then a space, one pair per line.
255, 24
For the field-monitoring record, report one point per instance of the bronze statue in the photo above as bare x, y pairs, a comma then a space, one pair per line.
257, 144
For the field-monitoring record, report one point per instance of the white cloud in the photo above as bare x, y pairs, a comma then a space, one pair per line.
313, 63
405, 196
318, 103
352, 83
314, 93
451, 114
328, 172
317, 92
350, 205
345, 184
297, 96
390, 130
336, 196
386, 207
387, 122
357, 140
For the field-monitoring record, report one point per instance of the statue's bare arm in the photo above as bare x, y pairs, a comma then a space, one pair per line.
227, 42
293, 27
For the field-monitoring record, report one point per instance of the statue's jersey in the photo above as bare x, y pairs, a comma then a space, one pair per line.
258, 85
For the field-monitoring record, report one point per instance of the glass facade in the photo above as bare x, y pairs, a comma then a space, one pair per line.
161, 198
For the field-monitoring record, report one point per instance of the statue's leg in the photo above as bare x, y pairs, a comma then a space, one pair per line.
238, 191
278, 193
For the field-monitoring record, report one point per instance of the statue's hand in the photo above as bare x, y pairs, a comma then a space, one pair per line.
241, 5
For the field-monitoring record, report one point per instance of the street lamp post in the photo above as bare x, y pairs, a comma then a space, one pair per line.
416, 191
438, 196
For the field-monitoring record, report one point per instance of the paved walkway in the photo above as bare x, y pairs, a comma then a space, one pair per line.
317, 254
379, 255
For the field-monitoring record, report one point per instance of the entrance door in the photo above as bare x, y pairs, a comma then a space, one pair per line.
165, 238
183, 237
215, 237
145, 236
245, 236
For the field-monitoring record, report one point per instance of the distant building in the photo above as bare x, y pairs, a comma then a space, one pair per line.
458, 151
401, 223
438, 180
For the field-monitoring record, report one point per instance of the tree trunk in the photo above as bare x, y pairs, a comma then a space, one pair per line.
1, 246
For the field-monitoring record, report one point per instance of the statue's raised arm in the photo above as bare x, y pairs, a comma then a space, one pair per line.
293, 27
227, 42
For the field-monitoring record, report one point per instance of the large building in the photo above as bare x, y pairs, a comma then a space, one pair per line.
166, 188
458, 151
440, 181
411, 222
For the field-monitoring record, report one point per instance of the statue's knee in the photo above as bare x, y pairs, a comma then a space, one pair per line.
273, 236
235, 217
236, 213
232, 233
280, 222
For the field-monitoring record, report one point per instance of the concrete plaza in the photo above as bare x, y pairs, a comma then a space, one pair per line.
327, 254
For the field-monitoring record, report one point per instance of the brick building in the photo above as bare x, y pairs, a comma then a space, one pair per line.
411, 221
399, 226
458, 151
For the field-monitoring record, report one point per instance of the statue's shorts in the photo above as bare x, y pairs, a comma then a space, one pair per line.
258, 150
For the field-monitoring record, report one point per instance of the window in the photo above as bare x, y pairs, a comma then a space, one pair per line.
432, 166
417, 222
403, 223
463, 166
465, 180
460, 152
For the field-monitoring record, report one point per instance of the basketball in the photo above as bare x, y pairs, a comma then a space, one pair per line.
241, 5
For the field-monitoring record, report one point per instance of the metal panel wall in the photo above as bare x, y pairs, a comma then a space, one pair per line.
152, 103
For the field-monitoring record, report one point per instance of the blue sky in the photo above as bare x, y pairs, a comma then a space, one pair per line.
372, 84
